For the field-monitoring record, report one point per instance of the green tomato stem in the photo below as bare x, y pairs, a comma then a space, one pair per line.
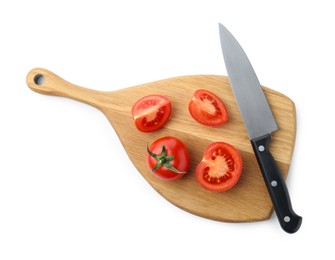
163, 160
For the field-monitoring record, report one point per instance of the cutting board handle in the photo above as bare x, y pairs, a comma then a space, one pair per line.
46, 82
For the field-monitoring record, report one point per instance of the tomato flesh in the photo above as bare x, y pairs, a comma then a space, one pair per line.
174, 147
151, 112
207, 109
220, 168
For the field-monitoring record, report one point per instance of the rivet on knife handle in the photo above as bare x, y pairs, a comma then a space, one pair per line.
275, 184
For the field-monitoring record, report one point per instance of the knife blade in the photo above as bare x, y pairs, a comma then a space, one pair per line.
260, 123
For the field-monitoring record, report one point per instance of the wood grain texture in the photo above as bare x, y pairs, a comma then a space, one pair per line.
248, 200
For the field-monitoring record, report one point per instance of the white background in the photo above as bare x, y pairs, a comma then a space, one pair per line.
67, 187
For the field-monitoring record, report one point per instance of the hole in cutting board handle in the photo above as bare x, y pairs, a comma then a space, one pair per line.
39, 79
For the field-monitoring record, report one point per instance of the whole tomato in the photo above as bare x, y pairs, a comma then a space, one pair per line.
168, 158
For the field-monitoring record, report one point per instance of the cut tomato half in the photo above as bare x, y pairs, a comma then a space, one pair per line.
220, 168
151, 112
207, 109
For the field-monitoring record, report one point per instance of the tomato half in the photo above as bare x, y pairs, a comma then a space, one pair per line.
168, 158
151, 112
208, 109
220, 168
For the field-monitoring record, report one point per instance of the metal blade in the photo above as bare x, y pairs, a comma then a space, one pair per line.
255, 110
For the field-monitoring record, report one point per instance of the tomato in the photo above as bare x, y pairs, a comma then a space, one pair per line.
168, 158
208, 109
151, 112
220, 168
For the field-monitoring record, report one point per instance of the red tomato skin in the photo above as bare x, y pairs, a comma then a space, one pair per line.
208, 162
197, 111
141, 110
174, 147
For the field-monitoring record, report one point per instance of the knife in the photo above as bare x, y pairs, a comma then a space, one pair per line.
260, 123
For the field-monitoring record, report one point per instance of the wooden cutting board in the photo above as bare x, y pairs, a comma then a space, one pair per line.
248, 200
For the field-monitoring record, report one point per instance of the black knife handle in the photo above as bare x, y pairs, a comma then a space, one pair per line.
276, 185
